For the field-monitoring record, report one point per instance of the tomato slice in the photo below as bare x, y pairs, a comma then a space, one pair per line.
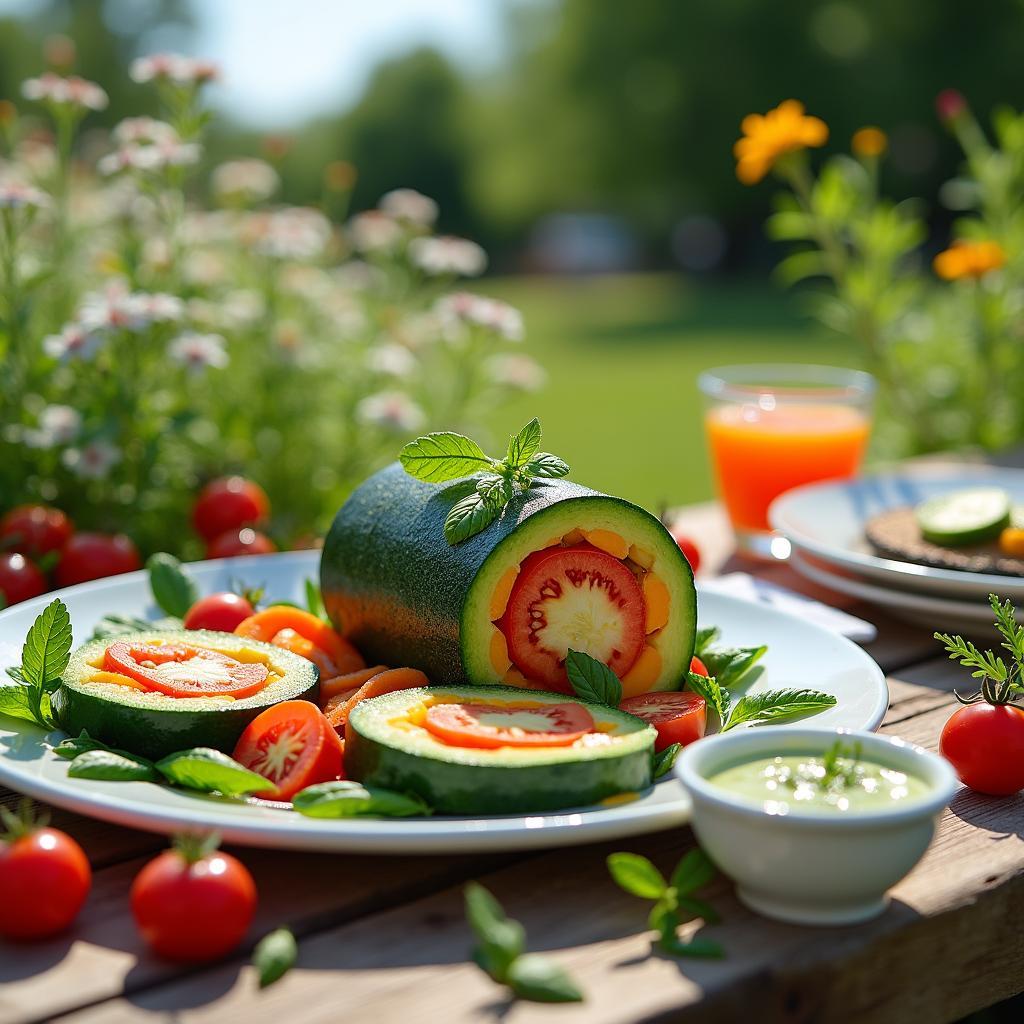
293, 746
576, 598
679, 717
509, 725
180, 670
698, 667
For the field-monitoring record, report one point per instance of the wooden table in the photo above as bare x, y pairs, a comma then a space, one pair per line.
383, 938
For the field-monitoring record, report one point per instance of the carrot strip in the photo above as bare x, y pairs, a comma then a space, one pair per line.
347, 683
384, 682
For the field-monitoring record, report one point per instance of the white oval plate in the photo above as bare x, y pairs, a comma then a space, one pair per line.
827, 520
799, 654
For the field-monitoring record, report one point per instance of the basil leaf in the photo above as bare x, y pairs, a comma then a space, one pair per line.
698, 908
545, 465
730, 664
692, 872
173, 589
665, 759
663, 918
696, 948
47, 649
111, 767
467, 518
717, 698
592, 680
71, 746
274, 956
210, 771
443, 456
773, 705
315, 600
15, 702
523, 446
495, 490
501, 939
637, 875
352, 800
541, 980
705, 637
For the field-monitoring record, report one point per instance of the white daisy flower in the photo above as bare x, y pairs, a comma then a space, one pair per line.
392, 360
150, 157
143, 130
393, 410
251, 180
197, 352
464, 308
375, 231
175, 68
409, 205
94, 461
14, 196
58, 425
447, 254
290, 233
75, 341
516, 371
71, 92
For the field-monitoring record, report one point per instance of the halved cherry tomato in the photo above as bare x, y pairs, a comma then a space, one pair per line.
181, 671
679, 716
293, 746
338, 708
219, 612
504, 725
346, 684
698, 667
305, 634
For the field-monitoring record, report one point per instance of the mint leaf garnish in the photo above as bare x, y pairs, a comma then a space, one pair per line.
717, 697
730, 664
468, 517
443, 456
592, 680
773, 705
523, 446
495, 490
665, 759
173, 589
546, 466
352, 800
637, 875
16, 702
706, 636
44, 657
211, 771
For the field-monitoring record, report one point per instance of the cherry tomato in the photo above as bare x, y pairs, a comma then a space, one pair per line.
679, 716
229, 503
698, 667
19, 578
91, 556
245, 541
193, 903
44, 880
508, 725
688, 548
182, 671
293, 745
35, 530
985, 744
220, 612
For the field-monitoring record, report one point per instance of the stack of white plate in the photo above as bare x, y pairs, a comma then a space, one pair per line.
825, 525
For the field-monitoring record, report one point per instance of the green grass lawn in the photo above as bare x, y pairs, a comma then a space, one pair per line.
623, 354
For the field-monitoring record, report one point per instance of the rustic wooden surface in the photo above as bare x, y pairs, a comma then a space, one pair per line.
384, 939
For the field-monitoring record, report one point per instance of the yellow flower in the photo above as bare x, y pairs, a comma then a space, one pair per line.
969, 259
766, 137
869, 141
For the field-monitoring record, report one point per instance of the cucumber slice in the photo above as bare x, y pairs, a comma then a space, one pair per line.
964, 517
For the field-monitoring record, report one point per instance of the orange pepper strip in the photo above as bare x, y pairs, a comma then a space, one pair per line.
330, 651
384, 682
346, 684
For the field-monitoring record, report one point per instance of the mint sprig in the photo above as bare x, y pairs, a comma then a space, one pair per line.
775, 705
592, 680
501, 953
446, 456
44, 657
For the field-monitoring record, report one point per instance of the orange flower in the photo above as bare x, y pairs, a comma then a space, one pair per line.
766, 137
969, 259
869, 142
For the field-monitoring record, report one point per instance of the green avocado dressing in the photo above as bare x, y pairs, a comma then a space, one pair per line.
838, 782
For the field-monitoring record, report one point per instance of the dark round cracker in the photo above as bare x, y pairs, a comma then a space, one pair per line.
895, 534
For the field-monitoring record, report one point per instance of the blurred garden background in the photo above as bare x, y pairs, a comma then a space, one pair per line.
587, 146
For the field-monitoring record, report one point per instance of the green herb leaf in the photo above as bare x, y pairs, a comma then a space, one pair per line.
730, 664
274, 956
467, 518
71, 746
17, 675
496, 490
210, 771
352, 800
173, 589
523, 446
16, 702
662, 917
47, 647
665, 759
773, 705
1006, 622
705, 637
108, 766
443, 456
637, 875
698, 908
501, 940
315, 602
696, 948
716, 697
592, 680
541, 980
544, 465
693, 872
118, 625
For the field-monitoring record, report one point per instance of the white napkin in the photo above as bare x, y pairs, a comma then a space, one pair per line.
750, 588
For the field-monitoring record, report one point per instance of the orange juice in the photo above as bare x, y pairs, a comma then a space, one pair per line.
760, 451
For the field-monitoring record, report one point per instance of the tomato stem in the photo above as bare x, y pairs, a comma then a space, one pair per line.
23, 821
193, 847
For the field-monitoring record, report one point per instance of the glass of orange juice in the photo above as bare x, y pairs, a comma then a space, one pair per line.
773, 427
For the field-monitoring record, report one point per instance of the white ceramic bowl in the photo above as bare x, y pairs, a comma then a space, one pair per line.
804, 867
